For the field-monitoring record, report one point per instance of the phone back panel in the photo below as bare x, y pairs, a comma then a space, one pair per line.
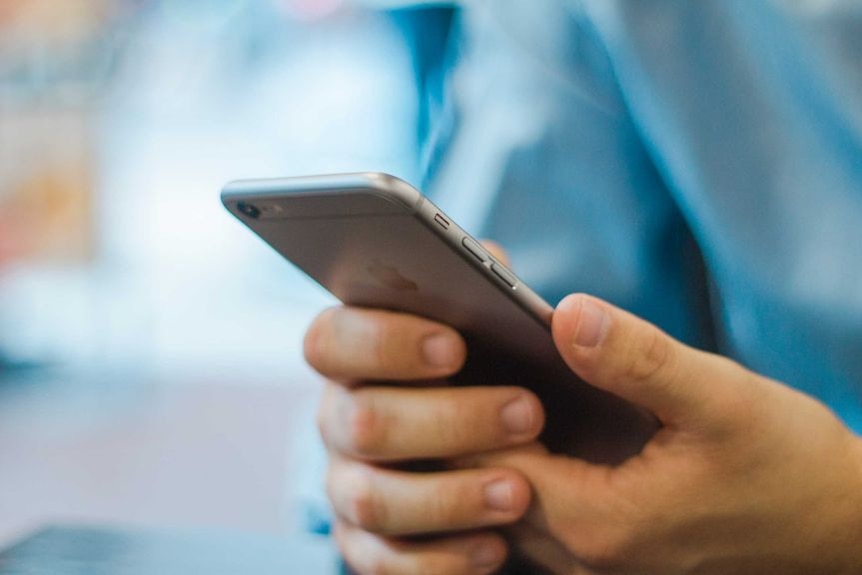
373, 241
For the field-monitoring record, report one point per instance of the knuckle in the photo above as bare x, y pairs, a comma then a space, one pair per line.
363, 427
364, 507
651, 355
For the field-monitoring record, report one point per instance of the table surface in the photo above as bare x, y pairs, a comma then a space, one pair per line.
129, 449
108, 551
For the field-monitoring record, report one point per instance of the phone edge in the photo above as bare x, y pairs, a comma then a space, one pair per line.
388, 187
401, 193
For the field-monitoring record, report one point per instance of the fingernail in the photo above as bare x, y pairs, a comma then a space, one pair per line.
498, 495
439, 351
592, 324
517, 416
486, 555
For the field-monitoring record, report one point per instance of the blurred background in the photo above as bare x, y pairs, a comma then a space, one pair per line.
150, 368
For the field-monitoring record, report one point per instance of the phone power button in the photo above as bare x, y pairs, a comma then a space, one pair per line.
475, 249
504, 275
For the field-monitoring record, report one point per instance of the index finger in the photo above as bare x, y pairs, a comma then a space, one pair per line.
364, 344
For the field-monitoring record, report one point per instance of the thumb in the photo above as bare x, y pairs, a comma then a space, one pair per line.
624, 355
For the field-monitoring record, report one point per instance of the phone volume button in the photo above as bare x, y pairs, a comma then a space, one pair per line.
475, 249
504, 275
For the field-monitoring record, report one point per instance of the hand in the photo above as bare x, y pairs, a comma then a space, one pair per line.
368, 427
745, 476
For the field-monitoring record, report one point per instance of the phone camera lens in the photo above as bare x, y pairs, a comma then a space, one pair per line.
250, 210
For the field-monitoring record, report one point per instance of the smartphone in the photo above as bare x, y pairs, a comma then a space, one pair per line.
374, 241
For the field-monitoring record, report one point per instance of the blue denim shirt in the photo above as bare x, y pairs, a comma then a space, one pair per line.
698, 163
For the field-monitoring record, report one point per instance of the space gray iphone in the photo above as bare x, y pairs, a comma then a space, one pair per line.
374, 241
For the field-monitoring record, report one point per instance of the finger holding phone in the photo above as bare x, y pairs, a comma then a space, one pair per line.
370, 427
745, 476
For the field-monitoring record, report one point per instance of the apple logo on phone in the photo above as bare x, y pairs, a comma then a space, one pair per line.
391, 277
